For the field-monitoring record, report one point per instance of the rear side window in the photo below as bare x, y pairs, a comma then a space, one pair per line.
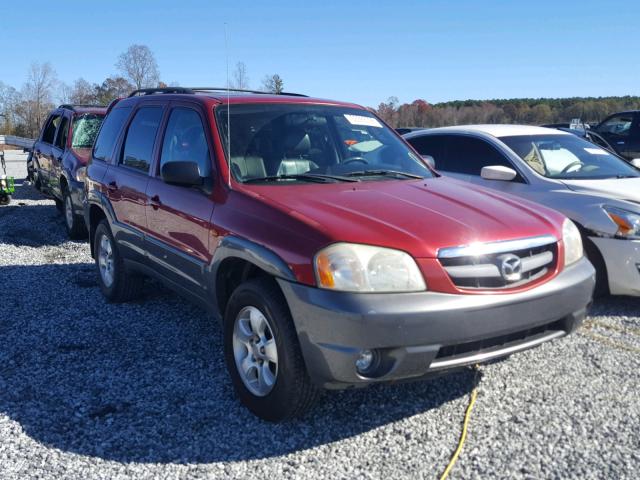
468, 155
50, 130
185, 140
141, 135
63, 133
109, 133
430, 145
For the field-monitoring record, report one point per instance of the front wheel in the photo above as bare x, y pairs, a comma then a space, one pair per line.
263, 354
74, 223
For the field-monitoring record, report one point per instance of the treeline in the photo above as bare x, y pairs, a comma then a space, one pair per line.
531, 111
22, 111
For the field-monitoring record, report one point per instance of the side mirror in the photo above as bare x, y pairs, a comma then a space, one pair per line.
635, 162
429, 160
182, 173
498, 172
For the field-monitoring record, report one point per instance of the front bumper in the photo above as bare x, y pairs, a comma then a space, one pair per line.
622, 258
418, 334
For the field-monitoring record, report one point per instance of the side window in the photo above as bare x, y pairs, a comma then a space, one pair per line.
141, 136
468, 155
617, 125
50, 130
109, 132
185, 140
63, 132
433, 145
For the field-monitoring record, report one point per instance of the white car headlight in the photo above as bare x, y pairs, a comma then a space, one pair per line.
572, 240
353, 267
628, 222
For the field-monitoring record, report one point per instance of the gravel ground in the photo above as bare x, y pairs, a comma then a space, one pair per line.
93, 390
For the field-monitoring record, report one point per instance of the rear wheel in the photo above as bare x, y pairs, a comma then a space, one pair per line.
115, 281
263, 354
74, 223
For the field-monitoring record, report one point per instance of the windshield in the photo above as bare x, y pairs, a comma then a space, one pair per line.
298, 143
568, 157
85, 129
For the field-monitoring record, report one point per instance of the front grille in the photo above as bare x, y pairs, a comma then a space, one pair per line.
468, 349
500, 265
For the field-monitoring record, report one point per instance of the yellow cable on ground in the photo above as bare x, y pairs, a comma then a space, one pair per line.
465, 424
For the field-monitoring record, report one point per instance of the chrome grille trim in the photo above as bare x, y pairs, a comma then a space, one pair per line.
496, 247
490, 270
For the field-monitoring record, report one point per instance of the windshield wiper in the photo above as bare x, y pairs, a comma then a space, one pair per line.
382, 173
309, 177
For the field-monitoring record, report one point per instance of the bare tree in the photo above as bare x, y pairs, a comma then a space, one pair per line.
273, 83
240, 78
37, 96
138, 64
112, 88
9, 98
83, 92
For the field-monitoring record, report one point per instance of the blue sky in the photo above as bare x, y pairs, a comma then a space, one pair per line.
362, 51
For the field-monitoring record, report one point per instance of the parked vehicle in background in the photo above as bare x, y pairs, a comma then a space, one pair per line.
591, 136
598, 190
59, 158
622, 131
333, 254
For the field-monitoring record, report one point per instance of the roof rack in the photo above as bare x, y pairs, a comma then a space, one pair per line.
73, 106
194, 90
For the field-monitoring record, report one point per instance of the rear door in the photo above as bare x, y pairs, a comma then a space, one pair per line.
57, 151
126, 181
633, 142
618, 130
178, 217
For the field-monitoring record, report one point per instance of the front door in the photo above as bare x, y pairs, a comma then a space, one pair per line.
617, 130
178, 217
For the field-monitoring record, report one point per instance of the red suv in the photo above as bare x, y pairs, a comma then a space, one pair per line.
59, 158
332, 253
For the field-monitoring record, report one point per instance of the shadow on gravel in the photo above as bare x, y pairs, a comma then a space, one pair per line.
146, 381
30, 225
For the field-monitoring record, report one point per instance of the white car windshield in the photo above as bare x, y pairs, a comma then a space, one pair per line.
295, 143
568, 157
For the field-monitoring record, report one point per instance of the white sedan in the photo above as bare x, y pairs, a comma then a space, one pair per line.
596, 189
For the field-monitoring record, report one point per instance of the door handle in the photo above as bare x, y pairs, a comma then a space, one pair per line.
620, 143
155, 202
112, 186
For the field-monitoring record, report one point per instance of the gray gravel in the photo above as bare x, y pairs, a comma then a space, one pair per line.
94, 390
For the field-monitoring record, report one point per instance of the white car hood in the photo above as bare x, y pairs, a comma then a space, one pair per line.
618, 188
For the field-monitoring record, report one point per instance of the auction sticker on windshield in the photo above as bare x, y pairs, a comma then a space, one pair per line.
362, 120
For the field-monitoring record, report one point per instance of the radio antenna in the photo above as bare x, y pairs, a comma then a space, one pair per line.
226, 50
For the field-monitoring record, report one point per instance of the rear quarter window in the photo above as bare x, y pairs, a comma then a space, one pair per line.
111, 128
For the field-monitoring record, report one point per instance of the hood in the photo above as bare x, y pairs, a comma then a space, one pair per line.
618, 188
418, 217
82, 154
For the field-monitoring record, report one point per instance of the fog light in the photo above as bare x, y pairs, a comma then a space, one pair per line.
364, 361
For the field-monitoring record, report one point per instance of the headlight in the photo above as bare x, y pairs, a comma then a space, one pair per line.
363, 268
628, 222
81, 174
572, 242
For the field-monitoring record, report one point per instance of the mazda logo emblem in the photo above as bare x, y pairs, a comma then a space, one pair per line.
510, 267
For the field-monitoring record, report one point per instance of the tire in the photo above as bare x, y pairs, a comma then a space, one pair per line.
291, 392
74, 223
121, 285
595, 257
5, 199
